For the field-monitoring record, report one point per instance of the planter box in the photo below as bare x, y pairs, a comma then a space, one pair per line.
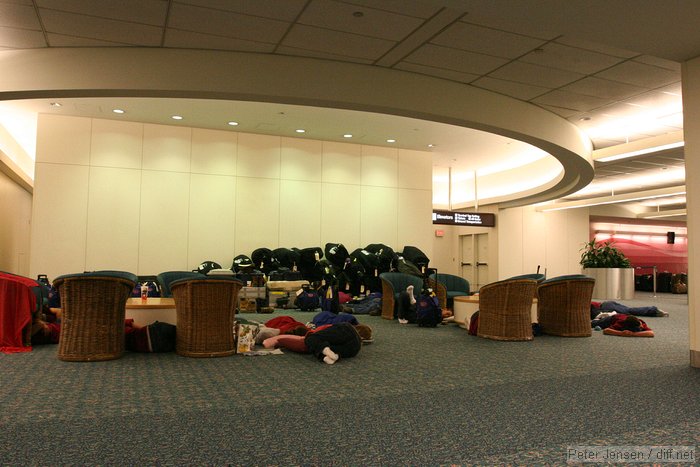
612, 283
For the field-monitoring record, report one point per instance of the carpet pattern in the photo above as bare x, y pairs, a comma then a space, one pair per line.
416, 396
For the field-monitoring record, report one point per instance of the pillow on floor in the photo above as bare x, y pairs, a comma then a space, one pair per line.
628, 333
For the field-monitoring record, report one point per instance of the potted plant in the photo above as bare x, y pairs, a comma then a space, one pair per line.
611, 269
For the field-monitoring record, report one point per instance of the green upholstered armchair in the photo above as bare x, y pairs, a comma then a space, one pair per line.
449, 286
167, 277
393, 283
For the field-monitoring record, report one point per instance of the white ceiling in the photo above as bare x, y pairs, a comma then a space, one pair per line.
592, 62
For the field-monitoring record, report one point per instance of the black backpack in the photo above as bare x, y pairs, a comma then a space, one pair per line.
413, 255
207, 266
308, 257
242, 263
307, 300
263, 260
369, 261
287, 257
336, 253
428, 312
387, 256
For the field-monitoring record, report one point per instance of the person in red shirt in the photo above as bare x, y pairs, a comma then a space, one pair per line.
328, 343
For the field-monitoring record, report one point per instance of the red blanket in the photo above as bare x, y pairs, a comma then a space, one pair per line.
17, 301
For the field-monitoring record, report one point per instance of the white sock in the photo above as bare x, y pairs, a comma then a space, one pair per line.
403, 321
329, 360
330, 355
409, 289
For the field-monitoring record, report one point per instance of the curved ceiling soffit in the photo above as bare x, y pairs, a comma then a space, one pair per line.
205, 74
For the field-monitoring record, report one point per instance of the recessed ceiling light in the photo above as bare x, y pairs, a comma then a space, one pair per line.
118, 111
584, 119
55, 104
391, 141
431, 145
347, 135
177, 117
300, 130
232, 123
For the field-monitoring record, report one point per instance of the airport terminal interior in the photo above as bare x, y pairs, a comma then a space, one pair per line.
515, 146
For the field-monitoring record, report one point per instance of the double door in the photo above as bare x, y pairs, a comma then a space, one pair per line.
475, 259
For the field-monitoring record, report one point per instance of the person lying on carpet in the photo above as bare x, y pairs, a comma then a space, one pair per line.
610, 306
328, 343
406, 307
621, 322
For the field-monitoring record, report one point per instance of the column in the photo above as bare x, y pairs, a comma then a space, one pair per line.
691, 130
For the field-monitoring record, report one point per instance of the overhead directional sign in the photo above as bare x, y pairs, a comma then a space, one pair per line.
481, 219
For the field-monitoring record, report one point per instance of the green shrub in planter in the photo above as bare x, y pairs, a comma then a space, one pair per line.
603, 255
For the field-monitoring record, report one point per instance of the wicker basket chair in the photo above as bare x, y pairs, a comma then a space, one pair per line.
206, 310
564, 304
93, 306
504, 310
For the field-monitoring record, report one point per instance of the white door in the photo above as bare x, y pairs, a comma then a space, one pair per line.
475, 259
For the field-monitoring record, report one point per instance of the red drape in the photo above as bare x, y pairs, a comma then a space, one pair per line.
17, 301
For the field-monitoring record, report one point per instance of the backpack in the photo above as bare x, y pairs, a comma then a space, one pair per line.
207, 266
428, 312
474, 323
336, 254
286, 257
307, 299
387, 256
415, 256
330, 299
263, 260
242, 263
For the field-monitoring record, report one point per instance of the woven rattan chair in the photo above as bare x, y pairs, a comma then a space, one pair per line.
505, 310
393, 283
206, 310
93, 306
564, 304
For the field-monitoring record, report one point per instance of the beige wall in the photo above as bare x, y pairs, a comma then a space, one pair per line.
148, 198
16, 211
552, 240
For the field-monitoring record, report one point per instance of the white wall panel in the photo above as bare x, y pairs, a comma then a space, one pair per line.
166, 148
15, 234
415, 169
578, 221
509, 223
379, 166
114, 204
258, 156
414, 217
378, 223
59, 219
116, 144
257, 214
63, 140
342, 163
163, 222
214, 152
212, 219
538, 231
300, 214
301, 159
340, 215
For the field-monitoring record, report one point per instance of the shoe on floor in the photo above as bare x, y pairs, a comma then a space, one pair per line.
662, 314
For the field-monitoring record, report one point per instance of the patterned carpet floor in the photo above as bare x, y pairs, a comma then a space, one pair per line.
416, 396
